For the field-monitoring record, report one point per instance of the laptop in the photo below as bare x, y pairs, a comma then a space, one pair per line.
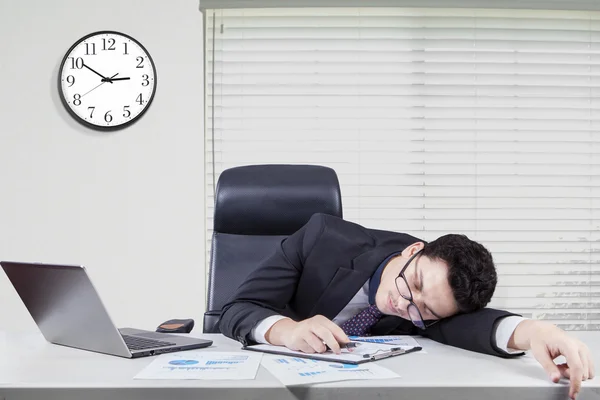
67, 308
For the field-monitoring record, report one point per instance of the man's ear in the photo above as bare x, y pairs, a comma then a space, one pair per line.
412, 249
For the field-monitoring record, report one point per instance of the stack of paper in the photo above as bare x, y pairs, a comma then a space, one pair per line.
363, 352
402, 341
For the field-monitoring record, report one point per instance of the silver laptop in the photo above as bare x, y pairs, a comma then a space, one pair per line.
67, 309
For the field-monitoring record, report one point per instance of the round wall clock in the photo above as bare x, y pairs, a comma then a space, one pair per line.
107, 80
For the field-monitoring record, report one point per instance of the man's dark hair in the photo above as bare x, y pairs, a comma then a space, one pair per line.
471, 274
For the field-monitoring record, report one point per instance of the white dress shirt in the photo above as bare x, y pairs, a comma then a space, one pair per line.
360, 301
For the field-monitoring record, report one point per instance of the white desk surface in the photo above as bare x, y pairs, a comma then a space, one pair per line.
31, 368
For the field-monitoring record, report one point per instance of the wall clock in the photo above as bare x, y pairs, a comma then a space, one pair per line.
107, 80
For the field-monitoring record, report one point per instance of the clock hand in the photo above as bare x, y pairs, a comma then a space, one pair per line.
93, 89
110, 79
103, 82
119, 79
100, 75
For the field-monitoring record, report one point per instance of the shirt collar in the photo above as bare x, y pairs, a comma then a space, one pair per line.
376, 277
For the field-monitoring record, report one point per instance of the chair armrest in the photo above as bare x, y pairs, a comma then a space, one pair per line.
211, 322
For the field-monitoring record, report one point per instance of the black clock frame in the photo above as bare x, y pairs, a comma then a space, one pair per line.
89, 124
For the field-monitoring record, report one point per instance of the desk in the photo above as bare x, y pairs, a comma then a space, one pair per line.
31, 368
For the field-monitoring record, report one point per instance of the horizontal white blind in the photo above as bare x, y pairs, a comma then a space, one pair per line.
483, 122
505, 4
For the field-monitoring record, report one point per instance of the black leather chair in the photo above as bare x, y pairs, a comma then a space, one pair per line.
256, 207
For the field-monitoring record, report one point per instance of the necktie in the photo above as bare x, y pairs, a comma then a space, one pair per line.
361, 323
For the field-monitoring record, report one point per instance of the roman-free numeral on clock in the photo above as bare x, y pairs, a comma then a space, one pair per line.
87, 49
111, 44
92, 112
139, 99
76, 62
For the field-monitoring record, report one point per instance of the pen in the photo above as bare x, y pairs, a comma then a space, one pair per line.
349, 345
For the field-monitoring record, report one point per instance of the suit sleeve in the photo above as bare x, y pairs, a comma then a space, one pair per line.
271, 286
474, 331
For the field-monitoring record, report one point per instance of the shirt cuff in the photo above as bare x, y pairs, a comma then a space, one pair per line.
260, 330
506, 327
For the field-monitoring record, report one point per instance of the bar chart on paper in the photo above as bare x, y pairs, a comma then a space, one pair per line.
297, 371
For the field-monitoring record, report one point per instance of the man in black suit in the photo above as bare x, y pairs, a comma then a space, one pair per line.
333, 278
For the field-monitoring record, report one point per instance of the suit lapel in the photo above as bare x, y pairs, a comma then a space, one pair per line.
347, 281
338, 293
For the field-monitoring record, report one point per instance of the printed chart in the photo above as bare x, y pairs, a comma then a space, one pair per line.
203, 365
298, 371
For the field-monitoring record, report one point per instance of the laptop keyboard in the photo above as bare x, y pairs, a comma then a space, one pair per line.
141, 343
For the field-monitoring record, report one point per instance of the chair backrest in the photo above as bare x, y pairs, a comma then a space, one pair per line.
256, 207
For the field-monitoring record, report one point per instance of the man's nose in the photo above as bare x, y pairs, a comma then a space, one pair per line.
417, 298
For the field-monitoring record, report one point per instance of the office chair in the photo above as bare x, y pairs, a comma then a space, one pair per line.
256, 207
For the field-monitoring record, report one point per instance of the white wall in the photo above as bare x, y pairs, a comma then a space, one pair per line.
128, 205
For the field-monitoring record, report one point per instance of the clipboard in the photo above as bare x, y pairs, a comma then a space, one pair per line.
364, 352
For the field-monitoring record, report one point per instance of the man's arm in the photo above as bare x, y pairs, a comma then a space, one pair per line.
259, 332
504, 331
474, 331
267, 290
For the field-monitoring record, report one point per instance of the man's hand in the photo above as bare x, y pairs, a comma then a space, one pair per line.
308, 336
547, 342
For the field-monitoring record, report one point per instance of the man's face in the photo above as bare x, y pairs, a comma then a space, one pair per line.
428, 282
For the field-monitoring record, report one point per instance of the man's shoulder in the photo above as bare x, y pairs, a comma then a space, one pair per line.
348, 228
327, 221
333, 237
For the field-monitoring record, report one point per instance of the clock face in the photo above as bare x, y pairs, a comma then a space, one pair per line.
107, 80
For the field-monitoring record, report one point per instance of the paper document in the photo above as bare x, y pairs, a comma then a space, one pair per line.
364, 352
404, 341
299, 371
202, 365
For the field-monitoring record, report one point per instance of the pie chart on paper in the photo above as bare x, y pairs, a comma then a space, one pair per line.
343, 366
183, 362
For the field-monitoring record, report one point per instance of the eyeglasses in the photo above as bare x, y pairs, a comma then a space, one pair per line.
413, 311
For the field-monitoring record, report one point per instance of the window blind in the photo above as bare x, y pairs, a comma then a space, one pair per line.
476, 121
590, 5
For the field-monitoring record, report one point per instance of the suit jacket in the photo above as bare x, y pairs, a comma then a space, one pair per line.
318, 270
